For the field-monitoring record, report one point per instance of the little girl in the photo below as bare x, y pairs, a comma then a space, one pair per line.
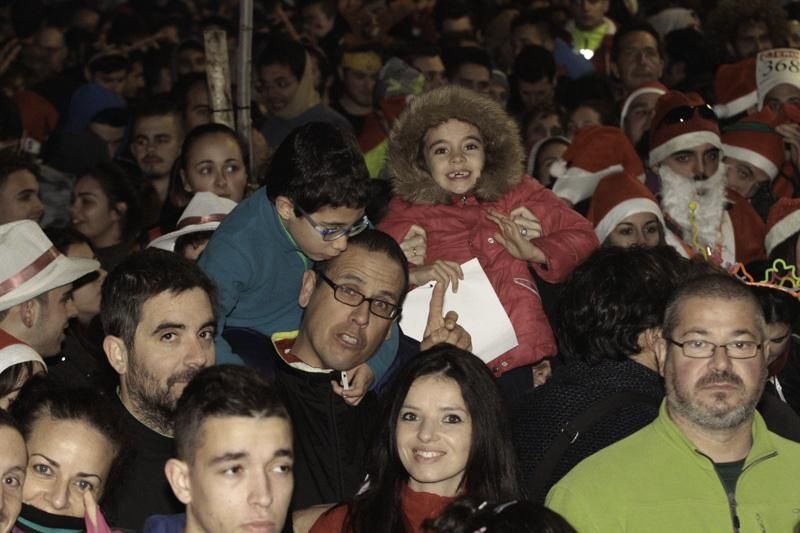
455, 158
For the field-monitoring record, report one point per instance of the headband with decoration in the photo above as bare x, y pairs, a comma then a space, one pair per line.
778, 276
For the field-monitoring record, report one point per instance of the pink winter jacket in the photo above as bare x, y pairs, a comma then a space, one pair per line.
460, 231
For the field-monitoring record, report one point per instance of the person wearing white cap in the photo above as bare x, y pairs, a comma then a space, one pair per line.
778, 77
18, 362
35, 286
638, 109
198, 221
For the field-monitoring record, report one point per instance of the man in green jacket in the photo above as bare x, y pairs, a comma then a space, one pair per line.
708, 462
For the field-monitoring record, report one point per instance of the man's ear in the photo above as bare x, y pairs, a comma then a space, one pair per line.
117, 354
177, 473
614, 69
285, 208
307, 288
659, 347
29, 312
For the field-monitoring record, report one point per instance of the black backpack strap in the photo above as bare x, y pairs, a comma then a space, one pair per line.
572, 429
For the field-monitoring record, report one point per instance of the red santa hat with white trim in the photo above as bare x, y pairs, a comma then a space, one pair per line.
735, 88
783, 222
650, 87
595, 152
679, 124
754, 140
13, 352
616, 198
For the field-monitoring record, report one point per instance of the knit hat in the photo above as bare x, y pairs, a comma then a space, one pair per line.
674, 135
650, 87
616, 198
783, 222
735, 88
595, 152
204, 213
755, 141
776, 67
13, 352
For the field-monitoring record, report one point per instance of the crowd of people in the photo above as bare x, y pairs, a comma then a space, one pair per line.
200, 331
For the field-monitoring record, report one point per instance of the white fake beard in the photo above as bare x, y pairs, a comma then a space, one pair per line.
709, 195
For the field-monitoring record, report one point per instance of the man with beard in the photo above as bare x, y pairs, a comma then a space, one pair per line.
708, 462
158, 316
157, 137
685, 154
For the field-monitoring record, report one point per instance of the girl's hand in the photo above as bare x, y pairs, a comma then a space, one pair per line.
528, 222
415, 244
512, 239
445, 272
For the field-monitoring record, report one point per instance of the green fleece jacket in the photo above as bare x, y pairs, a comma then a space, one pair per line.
656, 480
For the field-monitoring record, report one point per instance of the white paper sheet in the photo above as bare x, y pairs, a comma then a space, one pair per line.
479, 312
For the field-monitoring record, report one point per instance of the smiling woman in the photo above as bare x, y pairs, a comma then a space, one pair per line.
427, 452
73, 443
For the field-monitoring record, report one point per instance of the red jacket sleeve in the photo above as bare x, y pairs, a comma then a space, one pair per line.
568, 238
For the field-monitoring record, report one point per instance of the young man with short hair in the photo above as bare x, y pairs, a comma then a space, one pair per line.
234, 463
19, 189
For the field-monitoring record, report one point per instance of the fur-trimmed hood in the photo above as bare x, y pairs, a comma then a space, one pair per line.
503, 166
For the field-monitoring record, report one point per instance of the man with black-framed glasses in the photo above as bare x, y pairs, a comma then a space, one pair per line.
350, 303
708, 462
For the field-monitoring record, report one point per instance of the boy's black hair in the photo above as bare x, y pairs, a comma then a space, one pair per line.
155, 107
634, 26
11, 162
219, 392
316, 166
284, 52
451, 9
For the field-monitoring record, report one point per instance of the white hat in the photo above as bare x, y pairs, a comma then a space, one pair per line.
776, 67
204, 213
31, 265
650, 87
13, 352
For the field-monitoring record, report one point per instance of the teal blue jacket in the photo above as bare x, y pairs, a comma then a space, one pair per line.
657, 481
258, 271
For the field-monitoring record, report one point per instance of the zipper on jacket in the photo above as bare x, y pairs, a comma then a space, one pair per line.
463, 199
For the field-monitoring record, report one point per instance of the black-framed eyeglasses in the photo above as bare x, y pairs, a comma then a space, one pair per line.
700, 349
353, 298
332, 234
685, 113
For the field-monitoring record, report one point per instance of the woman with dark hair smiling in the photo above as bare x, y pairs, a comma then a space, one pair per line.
446, 434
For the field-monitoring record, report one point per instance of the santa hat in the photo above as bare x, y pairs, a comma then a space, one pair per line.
616, 198
595, 152
534, 153
754, 140
650, 87
776, 67
783, 222
668, 138
735, 88
13, 352
204, 213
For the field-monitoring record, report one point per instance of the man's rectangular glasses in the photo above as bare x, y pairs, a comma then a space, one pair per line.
353, 298
331, 234
699, 349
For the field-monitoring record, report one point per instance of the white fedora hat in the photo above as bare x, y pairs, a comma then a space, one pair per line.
204, 213
30, 265
13, 352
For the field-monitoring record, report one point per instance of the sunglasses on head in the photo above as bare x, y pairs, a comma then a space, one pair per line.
685, 113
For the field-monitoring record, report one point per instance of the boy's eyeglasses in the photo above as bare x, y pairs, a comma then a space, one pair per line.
332, 234
353, 298
685, 113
